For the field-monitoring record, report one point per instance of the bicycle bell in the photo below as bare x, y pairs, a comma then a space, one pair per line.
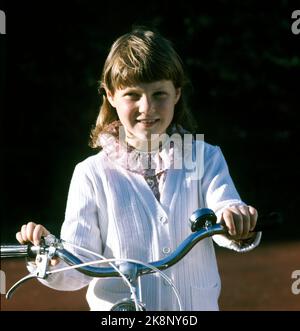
202, 218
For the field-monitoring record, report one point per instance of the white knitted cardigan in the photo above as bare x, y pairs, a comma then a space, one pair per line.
112, 211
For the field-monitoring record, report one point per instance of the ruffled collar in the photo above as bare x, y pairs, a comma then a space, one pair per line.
147, 163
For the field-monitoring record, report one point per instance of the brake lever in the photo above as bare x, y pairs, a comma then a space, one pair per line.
42, 262
11, 291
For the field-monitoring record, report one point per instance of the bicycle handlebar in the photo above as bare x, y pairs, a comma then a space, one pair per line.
17, 251
203, 224
202, 221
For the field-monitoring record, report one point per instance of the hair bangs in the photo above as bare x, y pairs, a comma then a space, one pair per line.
133, 69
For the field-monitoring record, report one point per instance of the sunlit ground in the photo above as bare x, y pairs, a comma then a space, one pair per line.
258, 280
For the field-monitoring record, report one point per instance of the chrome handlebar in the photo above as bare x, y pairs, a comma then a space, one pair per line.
202, 222
162, 264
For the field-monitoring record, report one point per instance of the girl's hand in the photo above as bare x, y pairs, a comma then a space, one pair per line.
240, 221
32, 232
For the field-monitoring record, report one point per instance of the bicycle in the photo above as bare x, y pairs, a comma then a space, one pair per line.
202, 222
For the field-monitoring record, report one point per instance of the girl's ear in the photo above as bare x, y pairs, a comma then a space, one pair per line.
178, 94
110, 98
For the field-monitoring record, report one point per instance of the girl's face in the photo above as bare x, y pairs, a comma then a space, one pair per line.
145, 109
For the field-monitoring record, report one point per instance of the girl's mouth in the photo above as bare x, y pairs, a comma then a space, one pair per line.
148, 122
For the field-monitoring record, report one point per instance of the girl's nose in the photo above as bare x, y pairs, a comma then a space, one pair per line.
145, 104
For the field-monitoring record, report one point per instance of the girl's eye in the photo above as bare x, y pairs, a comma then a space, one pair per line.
132, 95
160, 94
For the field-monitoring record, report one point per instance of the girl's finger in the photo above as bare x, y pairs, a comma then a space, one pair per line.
39, 232
253, 217
29, 231
19, 238
238, 221
246, 221
23, 233
54, 261
228, 220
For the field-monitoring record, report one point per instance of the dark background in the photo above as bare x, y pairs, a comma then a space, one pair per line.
244, 64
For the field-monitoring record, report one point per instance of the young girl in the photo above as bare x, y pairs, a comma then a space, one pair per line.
134, 198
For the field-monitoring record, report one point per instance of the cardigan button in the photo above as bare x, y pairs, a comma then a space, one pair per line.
166, 250
163, 220
165, 282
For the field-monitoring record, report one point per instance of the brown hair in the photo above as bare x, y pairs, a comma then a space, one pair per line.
140, 56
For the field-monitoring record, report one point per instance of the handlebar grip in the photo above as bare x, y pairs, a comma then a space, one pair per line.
17, 251
14, 251
203, 216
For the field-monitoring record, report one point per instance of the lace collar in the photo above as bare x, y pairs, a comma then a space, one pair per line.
147, 163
